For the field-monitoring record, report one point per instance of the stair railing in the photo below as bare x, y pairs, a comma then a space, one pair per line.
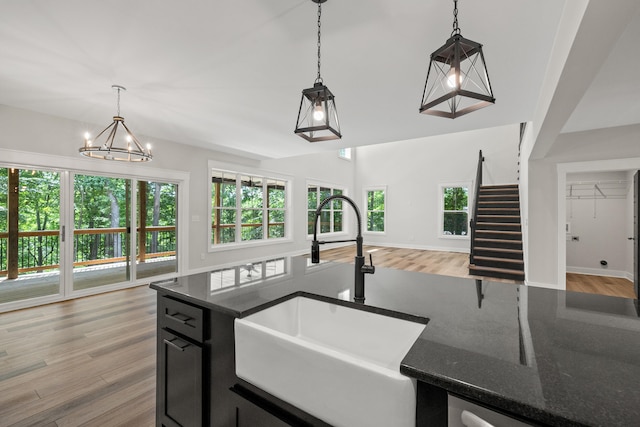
476, 195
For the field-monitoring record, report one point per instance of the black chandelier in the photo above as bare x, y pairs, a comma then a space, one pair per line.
457, 80
318, 116
123, 146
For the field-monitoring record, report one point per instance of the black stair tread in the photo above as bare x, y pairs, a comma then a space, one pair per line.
499, 190
497, 224
499, 241
505, 197
486, 216
500, 209
494, 259
518, 273
500, 186
505, 250
498, 202
503, 232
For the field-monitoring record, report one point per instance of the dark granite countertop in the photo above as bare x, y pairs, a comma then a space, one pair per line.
554, 357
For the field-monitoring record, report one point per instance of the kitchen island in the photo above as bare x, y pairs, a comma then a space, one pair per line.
543, 356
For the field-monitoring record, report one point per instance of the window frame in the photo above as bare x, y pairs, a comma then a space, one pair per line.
365, 218
345, 212
441, 210
265, 177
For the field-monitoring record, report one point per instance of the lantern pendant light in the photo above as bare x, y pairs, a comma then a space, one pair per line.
457, 80
318, 116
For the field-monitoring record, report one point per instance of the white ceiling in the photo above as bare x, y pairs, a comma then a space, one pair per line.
228, 74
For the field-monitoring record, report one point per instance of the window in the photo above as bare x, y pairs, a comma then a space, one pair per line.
246, 207
330, 220
344, 153
375, 202
455, 210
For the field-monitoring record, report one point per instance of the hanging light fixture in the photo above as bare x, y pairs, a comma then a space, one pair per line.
120, 146
457, 80
318, 116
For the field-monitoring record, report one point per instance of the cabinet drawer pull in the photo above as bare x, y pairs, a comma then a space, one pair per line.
176, 346
183, 319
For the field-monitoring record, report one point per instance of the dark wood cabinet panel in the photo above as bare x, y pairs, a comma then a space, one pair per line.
180, 385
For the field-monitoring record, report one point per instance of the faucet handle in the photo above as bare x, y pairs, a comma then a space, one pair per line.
315, 252
369, 269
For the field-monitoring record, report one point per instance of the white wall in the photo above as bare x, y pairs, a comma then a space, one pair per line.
599, 224
412, 171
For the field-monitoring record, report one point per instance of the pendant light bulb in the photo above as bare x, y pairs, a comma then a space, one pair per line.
452, 80
318, 112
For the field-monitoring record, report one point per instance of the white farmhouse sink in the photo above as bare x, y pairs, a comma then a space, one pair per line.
340, 364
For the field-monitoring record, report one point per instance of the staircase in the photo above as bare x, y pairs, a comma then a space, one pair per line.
497, 241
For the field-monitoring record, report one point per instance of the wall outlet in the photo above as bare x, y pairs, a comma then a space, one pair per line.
202, 256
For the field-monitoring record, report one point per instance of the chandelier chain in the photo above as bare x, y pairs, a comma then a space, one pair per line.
456, 28
319, 79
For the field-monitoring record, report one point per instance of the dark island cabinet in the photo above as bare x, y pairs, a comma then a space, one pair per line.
195, 365
196, 381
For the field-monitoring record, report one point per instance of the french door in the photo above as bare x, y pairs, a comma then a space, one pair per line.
31, 247
66, 234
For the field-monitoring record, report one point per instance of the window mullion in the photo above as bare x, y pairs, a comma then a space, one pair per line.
238, 237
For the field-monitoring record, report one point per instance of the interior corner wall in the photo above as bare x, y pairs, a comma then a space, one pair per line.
412, 171
542, 225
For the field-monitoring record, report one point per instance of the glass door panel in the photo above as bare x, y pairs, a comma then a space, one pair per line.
101, 231
157, 236
30, 247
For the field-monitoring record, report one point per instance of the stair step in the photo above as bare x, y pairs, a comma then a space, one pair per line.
498, 252
483, 196
500, 186
498, 218
499, 243
503, 273
508, 263
499, 189
499, 211
499, 234
512, 226
498, 204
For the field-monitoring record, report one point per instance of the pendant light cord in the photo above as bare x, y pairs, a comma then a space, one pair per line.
319, 79
456, 28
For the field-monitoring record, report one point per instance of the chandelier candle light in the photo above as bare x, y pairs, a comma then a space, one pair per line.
318, 117
130, 149
457, 80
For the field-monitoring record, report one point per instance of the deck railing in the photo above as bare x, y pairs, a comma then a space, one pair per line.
39, 251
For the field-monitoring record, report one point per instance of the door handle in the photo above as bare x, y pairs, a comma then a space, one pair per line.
631, 238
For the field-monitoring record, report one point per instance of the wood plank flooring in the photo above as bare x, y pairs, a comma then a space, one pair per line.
437, 262
612, 286
85, 362
91, 361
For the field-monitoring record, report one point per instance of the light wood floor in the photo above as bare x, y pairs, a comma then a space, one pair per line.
457, 265
612, 286
85, 362
91, 361
437, 262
